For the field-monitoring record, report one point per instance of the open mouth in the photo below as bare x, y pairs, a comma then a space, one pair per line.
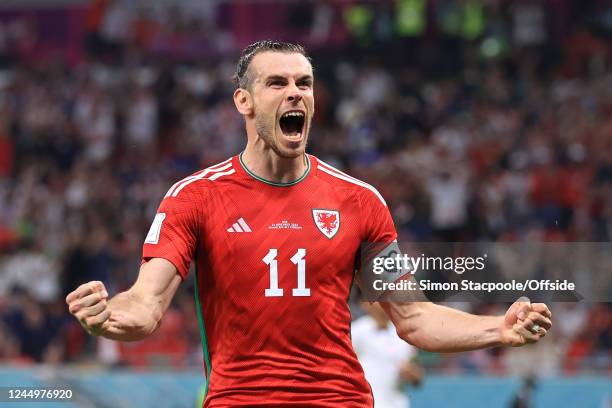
292, 123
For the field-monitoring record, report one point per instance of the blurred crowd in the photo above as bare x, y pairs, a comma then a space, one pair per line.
483, 120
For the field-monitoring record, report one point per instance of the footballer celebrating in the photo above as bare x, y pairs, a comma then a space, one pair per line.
274, 234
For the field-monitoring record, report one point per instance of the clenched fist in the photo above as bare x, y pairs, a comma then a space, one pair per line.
526, 322
88, 304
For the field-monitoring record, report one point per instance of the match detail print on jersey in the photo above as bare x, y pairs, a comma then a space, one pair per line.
327, 221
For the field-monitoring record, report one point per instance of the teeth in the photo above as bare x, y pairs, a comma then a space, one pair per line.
297, 114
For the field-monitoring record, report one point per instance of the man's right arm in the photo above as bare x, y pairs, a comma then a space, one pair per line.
131, 315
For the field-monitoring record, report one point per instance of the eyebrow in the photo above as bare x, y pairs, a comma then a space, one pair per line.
308, 78
282, 78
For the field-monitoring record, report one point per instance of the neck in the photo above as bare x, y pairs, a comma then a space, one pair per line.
266, 164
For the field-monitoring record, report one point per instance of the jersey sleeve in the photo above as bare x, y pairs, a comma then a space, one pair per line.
378, 224
379, 242
174, 232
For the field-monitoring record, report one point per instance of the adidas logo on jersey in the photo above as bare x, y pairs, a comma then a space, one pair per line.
240, 226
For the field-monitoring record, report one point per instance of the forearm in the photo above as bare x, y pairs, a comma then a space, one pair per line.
132, 317
444, 330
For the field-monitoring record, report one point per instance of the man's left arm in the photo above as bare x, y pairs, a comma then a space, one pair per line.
442, 329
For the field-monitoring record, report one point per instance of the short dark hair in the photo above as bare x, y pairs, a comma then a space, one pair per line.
241, 77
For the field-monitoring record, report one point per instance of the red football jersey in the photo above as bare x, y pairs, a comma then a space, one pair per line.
275, 264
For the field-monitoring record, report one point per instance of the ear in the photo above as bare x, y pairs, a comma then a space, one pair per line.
243, 101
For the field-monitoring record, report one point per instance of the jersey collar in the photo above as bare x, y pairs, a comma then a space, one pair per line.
272, 183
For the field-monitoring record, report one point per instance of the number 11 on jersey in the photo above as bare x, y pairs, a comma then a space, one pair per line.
297, 259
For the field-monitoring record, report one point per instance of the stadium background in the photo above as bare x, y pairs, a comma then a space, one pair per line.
496, 116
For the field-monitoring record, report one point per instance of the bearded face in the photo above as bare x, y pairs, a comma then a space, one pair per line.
283, 101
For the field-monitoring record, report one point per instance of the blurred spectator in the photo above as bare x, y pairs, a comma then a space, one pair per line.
141, 120
388, 362
37, 330
28, 267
